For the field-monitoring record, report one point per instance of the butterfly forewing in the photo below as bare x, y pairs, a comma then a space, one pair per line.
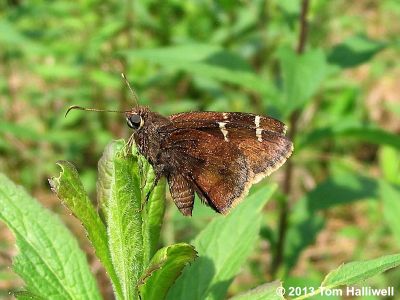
235, 119
265, 153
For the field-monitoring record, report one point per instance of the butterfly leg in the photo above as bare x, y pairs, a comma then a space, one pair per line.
128, 146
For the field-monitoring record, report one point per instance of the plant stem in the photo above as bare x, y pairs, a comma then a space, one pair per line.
303, 27
287, 185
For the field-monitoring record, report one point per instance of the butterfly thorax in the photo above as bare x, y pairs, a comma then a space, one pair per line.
147, 137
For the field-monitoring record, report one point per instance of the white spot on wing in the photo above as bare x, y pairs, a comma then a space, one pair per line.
258, 129
259, 134
225, 115
223, 130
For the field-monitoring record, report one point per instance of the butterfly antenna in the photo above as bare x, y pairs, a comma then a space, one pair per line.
135, 96
73, 107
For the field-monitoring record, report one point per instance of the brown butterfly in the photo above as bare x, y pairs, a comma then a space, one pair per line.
217, 155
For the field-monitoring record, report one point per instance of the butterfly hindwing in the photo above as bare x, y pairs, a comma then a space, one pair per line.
218, 172
182, 193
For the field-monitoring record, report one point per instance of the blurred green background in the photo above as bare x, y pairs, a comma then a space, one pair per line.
339, 197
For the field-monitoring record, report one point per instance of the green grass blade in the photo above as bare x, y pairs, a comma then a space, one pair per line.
49, 259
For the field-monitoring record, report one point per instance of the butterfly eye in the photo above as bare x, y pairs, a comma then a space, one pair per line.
134, 121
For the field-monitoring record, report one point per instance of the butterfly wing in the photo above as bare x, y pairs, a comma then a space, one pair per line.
204, 120
218, 171
182, 193
265, 153
223, 154
260, 138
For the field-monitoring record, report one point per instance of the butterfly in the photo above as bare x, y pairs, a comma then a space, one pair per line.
217, 155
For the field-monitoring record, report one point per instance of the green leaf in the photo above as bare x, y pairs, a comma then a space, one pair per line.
153, 212
165, 266
106, 170
189, 53
342, 188
262, 292
221, 253
12, 37
125, 224
133, 226
359, 132
71, 192
204, 60
390, 195
354, 51
389, 162
49, 259
353, 272
302, 76
25, 295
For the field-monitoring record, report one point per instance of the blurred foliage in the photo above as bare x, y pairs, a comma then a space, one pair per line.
224, 56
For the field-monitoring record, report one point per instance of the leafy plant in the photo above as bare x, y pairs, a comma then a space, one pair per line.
49, 260
223, 247
126, 243
52, 265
